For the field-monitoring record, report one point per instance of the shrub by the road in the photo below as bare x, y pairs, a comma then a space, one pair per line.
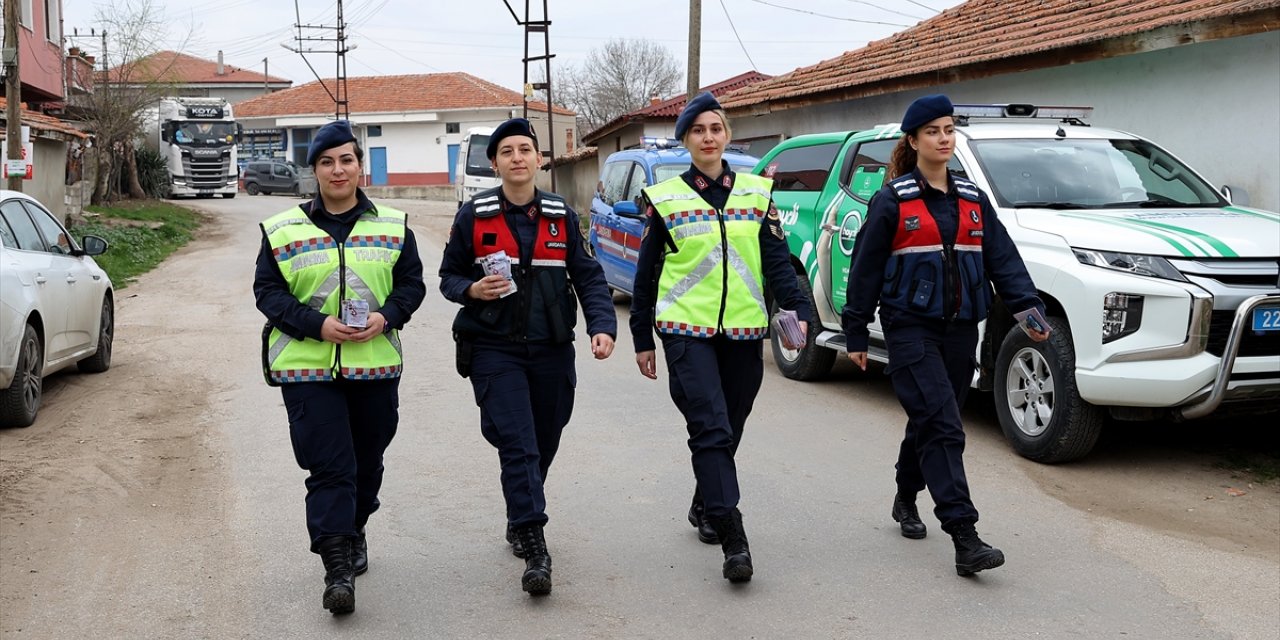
140, 235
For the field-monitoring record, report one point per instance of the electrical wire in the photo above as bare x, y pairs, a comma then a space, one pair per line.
735, 34
905, 15
823, 15
924, 6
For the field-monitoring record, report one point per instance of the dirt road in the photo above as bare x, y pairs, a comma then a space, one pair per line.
146, 501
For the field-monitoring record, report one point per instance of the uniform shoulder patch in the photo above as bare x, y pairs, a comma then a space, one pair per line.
905, 187
966, 189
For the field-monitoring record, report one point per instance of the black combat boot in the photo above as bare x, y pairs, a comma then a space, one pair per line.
972, 554
339, 588
733, 540
517, 549
698, 518
905, 514
359, 553
537, 561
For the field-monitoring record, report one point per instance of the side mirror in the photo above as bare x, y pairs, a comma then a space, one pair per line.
1235, 195
626, 208
93, 245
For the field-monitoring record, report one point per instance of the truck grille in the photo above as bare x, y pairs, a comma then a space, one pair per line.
1252, 344
207, 172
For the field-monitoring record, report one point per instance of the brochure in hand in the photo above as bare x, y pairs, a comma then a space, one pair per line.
787, 325
1032, 320
498, 263
355, 313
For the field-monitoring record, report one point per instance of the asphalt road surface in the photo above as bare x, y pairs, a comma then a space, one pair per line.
161, 500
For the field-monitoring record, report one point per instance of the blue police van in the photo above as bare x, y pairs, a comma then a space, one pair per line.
617, 215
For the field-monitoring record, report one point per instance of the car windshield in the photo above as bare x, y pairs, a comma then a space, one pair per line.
663, 171
1090, 174
478, 157
204, 133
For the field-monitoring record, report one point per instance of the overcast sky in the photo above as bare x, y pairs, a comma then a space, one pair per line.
481, 37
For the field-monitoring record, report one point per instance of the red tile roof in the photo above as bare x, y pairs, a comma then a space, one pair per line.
42, 122
392, 94
984, 31
670, 109
180, 68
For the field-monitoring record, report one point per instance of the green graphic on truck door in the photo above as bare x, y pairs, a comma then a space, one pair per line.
846, 215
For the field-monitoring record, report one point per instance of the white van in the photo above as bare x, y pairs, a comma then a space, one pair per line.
474, 172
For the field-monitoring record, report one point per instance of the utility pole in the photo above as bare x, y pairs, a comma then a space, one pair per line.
341, 108
532, 27
695, 47
12, 90
266, 86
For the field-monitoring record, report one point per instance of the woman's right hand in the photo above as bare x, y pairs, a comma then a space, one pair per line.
489, 288
859, 358
648, 363
334, 331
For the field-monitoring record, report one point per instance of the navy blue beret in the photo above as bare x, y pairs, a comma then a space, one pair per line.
702, 102
512, 127
925, 110
334, 134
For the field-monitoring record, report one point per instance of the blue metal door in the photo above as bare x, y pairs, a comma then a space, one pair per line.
378, 165
453, 164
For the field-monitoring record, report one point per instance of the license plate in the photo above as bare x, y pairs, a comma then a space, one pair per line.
204, 190
1266, 319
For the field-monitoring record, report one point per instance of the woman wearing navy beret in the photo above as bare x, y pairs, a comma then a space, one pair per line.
928, 253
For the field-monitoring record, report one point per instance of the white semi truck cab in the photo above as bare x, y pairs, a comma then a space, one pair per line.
197, 138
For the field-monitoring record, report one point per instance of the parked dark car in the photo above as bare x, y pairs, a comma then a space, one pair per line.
277, 176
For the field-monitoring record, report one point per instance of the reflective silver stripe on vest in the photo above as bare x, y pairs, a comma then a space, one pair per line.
674, 196
547, 263
925, 249
968, 247
740, 265
690, 281
284, 223
394, 339
277, 348
357, 285
747, 191
693, 229
325, 290
369, 217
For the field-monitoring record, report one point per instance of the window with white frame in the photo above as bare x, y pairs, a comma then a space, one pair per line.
53, 21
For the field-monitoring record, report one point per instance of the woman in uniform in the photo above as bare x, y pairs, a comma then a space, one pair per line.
929, 248
713, 239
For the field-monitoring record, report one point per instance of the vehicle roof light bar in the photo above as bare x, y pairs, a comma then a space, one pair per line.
658, 142
1072, 115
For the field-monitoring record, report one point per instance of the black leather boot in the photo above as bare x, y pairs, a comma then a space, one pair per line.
698, 518
339, 586
517, 549
733, 541
972, 554
905, 514
536, 579
359, 553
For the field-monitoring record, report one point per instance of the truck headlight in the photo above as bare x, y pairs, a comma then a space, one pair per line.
1135, 263
1121, 315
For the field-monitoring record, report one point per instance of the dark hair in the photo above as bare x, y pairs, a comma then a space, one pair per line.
903, 160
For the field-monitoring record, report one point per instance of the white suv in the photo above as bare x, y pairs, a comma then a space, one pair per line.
1163, 296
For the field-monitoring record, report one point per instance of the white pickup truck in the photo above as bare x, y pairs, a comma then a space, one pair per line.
1163, 296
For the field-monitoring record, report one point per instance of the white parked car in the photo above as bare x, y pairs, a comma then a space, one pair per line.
56, 306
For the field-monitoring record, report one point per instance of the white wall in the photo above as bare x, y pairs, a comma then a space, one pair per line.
1216, 105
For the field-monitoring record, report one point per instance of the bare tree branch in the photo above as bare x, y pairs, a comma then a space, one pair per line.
616, 78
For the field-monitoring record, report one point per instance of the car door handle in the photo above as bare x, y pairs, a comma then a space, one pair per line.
41, 279
71, 279
830, 228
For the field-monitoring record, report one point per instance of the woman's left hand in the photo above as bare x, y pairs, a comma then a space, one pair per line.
1039, 336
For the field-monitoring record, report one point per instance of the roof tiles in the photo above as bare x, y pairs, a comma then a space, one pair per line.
981, 31
180, 68
392, 94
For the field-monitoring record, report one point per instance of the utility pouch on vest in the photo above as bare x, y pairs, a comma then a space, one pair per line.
266, 365
922, 295
464, 346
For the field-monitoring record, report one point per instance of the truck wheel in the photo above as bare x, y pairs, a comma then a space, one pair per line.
20, 402
251, 188
811, 362
1040, 409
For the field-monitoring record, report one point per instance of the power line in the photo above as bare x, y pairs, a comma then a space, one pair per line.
905, 15
735, 34
924, 5
823, 15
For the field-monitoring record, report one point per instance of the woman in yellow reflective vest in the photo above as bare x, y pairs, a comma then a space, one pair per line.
712, 242
337, 278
